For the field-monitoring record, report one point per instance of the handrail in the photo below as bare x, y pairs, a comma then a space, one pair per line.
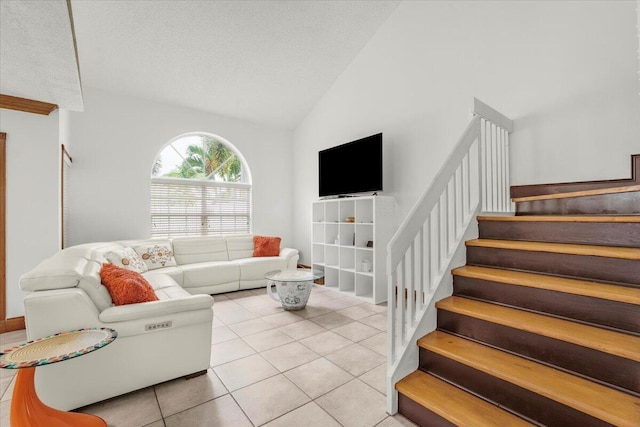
418, 215
429, 242
483, 110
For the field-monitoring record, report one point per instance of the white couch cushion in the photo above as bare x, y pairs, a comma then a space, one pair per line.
200, 249
210, 274
255, 268
160, 281
240, 247
174, 272
173, 299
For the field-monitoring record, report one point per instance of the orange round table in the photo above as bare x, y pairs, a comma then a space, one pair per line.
26, 408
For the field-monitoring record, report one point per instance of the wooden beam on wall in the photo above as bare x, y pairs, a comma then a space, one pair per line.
26, 105
12, 324
3, 216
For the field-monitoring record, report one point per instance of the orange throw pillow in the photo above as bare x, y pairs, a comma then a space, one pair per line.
266, 246
126, 286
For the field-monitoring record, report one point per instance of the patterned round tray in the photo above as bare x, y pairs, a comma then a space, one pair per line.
56, 348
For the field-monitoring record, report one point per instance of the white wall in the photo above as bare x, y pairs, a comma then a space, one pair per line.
32, 196
115, 141
566, 72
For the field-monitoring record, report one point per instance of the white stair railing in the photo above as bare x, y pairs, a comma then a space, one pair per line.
429, 242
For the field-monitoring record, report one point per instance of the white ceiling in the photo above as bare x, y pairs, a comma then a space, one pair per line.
37, 54
267, 62
263, 61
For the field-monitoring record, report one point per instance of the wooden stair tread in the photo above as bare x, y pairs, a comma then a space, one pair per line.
583, 193
563, 218
453, 403
559, 248
604, 403
624, 294
606, 341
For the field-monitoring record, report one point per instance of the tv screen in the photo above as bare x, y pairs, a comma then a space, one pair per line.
354, 167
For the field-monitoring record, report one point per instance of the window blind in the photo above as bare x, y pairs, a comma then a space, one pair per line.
185, 207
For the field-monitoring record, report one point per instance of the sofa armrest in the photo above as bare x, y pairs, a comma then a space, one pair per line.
287, 253
144, 310
291, 256
50, 312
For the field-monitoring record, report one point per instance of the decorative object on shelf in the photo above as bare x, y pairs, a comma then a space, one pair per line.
26, 407
337, 241
293, 287
370, 244
367, 267
350, 219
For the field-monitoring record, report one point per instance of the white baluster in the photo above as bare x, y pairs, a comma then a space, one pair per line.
507, 198
410, 283
392, 321
499, 191
400, 303
494, 168
483, 164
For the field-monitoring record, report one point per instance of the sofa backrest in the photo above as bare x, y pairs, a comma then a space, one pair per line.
190, 250
240, 246
91, 284
69, 268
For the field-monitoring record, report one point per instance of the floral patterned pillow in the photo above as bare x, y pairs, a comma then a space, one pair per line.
126, 258
156, 255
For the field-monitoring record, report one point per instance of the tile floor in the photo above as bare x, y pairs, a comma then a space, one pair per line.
322, 366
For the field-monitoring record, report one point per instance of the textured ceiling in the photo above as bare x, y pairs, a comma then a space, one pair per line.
37, 53
264, 61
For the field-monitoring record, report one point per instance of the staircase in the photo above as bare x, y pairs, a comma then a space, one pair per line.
543, 327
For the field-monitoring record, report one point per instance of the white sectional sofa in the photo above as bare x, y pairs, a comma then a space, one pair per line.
158, 340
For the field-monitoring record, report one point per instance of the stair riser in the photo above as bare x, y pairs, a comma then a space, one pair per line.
584, 233
509, 396
579, 266
599, 312
605, 204
594, 364
419, 414
565, 187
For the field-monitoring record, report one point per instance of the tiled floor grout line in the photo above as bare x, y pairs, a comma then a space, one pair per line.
354, 377
242, 409
155, 393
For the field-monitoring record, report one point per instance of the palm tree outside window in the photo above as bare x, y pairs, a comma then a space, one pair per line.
200, 185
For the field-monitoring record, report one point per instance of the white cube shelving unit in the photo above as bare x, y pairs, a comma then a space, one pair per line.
339, 247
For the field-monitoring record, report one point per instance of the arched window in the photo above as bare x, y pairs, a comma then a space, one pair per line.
200, 185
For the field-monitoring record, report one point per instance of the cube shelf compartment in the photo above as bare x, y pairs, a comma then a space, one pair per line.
339, 246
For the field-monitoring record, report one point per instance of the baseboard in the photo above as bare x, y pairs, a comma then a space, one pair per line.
12, 324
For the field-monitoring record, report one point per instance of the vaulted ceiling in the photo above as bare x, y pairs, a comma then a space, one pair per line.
37, 53
267, 62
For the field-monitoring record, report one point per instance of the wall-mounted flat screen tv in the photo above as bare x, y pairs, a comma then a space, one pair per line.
354, 167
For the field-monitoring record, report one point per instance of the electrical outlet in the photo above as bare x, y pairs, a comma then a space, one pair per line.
161, 325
